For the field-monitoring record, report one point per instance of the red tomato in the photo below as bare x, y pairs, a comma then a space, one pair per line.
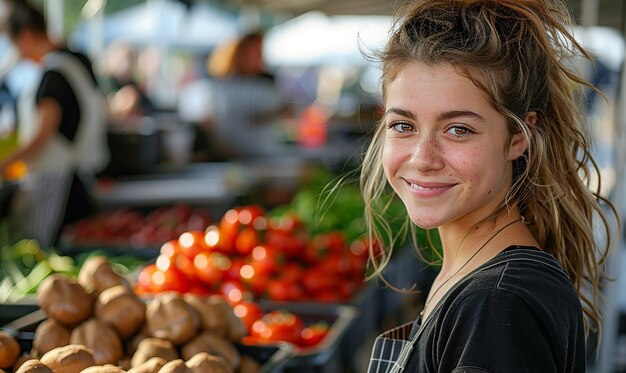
250, 216
328, 296
198, 288
185, 265
284, 290
233, 273
257, 283
316, 280
292, 272
358, 264
211, 267
336, 241
170, 248
278, 325
170, 280
337, 263
229, 230
246, 241
144, 280
234, 292
266, 260
348, 288
289, 243
248, 312
191, 243
313, 334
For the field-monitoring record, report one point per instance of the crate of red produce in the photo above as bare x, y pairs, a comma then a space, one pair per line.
126, 228
317, 330
251, 255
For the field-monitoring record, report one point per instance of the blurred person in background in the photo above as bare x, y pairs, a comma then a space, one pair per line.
127, 98
64, 145
236, 107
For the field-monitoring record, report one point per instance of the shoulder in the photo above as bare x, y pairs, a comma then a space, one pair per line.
522, 308
520, 285
79, 57
530, 274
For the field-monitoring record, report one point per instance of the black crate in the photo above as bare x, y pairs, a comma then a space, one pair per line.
13, 311
327, 356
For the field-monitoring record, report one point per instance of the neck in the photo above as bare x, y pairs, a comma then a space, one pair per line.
460, 241
43, 48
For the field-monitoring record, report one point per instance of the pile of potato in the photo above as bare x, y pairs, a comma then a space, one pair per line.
98, 325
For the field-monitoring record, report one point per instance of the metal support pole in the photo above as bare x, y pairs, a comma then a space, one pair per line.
54, 12
613, 287
589, 12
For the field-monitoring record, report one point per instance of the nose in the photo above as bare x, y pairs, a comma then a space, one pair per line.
427, 154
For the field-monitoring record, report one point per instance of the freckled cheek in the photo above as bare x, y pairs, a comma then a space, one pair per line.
391, 160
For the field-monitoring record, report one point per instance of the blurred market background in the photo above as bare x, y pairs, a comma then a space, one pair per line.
168, 196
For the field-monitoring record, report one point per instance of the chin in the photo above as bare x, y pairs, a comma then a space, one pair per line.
424, 223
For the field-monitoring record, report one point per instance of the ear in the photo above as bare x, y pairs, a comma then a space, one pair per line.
518, 144
531, 118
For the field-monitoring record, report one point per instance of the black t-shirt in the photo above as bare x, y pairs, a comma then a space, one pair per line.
55, 86
517, 313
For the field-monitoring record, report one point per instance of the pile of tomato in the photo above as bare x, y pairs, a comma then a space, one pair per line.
249, 255
279, 325
125, 227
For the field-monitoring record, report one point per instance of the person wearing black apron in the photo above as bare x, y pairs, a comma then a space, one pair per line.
62, 132
482, 138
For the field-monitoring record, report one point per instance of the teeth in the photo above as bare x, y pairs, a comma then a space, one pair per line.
419, 187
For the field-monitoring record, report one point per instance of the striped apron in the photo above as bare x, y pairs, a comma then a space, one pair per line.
392, 349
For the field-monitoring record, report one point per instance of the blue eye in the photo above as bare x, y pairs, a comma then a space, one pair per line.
459, 131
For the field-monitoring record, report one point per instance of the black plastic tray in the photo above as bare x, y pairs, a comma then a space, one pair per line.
272, 357
326, 356
13, 311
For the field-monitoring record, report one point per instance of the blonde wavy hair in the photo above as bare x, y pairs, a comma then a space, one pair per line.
520, 53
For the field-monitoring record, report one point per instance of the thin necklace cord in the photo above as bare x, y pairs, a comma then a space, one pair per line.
432, 294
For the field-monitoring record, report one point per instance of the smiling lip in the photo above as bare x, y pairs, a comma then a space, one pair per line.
428, 189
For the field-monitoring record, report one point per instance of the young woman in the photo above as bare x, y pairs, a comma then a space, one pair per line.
482, 138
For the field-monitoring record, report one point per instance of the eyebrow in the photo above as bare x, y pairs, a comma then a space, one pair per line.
446, 115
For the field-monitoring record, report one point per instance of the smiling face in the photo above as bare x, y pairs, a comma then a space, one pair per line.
447, 151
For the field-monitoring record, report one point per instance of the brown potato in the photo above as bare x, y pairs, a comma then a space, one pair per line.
153, 365
214, 345
64, 300
217, 316
101, 339
50, 334
124, 363
153, 347
248, 365
207, 363
33, 366
108, 368
210, 317
121, 309
9, 350
97, 275
235, 329
175, 366
169, 317
68, 359
132, 343
21, 360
